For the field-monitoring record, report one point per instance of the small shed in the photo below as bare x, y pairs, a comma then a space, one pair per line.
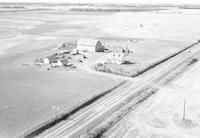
74, 51
91, 45
63, 51
63, 62
50, 59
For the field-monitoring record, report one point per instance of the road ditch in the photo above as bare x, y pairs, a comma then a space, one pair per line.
99, 130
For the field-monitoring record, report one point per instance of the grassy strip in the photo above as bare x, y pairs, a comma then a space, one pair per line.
99, 130
50, 123
180, 70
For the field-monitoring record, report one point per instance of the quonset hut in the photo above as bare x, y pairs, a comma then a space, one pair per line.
91, 45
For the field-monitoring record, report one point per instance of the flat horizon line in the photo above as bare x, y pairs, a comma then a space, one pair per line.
85, 3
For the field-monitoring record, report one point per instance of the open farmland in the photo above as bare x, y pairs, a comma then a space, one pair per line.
156, 25
28, 95
31, 96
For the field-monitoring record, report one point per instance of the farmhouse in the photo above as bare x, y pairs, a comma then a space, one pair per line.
50, 59
91, 45
116, 58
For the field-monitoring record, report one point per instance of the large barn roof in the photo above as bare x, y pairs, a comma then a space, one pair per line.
87, 42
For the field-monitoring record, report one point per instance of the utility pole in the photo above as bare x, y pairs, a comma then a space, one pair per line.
184, 109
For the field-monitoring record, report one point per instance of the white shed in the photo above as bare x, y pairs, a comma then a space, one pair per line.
91, 45
50, 59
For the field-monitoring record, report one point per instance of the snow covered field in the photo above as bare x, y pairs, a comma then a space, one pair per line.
153, 25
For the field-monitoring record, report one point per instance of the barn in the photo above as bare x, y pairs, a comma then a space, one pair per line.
50, 59
91, 45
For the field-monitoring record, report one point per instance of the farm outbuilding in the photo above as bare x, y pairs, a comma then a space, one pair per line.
60, 63
91, 45
63, 62
50, 59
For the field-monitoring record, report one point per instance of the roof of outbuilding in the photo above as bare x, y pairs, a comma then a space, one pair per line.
87, 42
64, 61
52, 58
